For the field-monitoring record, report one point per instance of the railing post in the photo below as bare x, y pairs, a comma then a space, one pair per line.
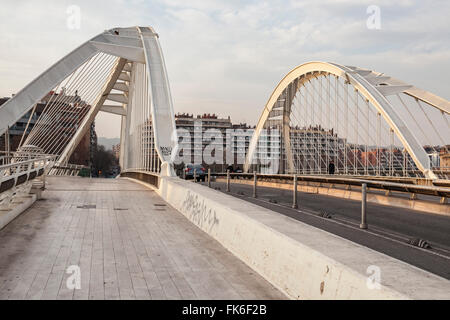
195, 176
209, 177
7, 146
255, 181
228, 180
294, 193
44, 174
363, 224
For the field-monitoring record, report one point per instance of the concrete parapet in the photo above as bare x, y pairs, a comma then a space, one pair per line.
16, 207
300, 260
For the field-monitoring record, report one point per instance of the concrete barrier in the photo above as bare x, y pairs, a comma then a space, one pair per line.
302, 261
18, 205
147, 177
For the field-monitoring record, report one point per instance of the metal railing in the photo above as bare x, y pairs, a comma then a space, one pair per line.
67, 169
443, 192
404, 180
18, 171
439, 191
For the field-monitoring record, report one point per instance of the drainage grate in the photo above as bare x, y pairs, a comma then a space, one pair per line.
120, 209
325, 215
87, 206
419, 243
159, 205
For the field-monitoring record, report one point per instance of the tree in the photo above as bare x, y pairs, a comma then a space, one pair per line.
103, 162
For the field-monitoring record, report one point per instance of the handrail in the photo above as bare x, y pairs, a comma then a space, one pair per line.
375, 184
20, 172
70, 166
66, 169
23, 162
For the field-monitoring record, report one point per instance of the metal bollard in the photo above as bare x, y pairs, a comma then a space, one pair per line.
294, 193
209, 177
363, 224
228, 180
195, 176
255, 180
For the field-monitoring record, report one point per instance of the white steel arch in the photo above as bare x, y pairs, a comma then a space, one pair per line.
152, 103
373, 86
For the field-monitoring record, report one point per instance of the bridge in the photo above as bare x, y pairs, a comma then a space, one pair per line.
341, 185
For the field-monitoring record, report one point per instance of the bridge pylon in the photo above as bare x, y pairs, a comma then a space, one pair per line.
326, 118
120, 71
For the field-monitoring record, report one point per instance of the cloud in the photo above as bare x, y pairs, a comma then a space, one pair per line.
227, 56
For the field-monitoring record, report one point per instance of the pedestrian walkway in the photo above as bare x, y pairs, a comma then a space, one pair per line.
128, 244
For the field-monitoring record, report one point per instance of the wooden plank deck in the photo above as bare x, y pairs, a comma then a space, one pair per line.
128, 243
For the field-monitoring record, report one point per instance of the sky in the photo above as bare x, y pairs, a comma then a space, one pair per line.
226, 57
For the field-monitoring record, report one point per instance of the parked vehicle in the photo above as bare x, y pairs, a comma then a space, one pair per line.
199, 172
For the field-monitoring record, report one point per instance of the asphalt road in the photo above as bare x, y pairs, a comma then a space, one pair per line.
389, 227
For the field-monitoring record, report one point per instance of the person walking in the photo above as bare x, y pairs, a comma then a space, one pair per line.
331, 167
